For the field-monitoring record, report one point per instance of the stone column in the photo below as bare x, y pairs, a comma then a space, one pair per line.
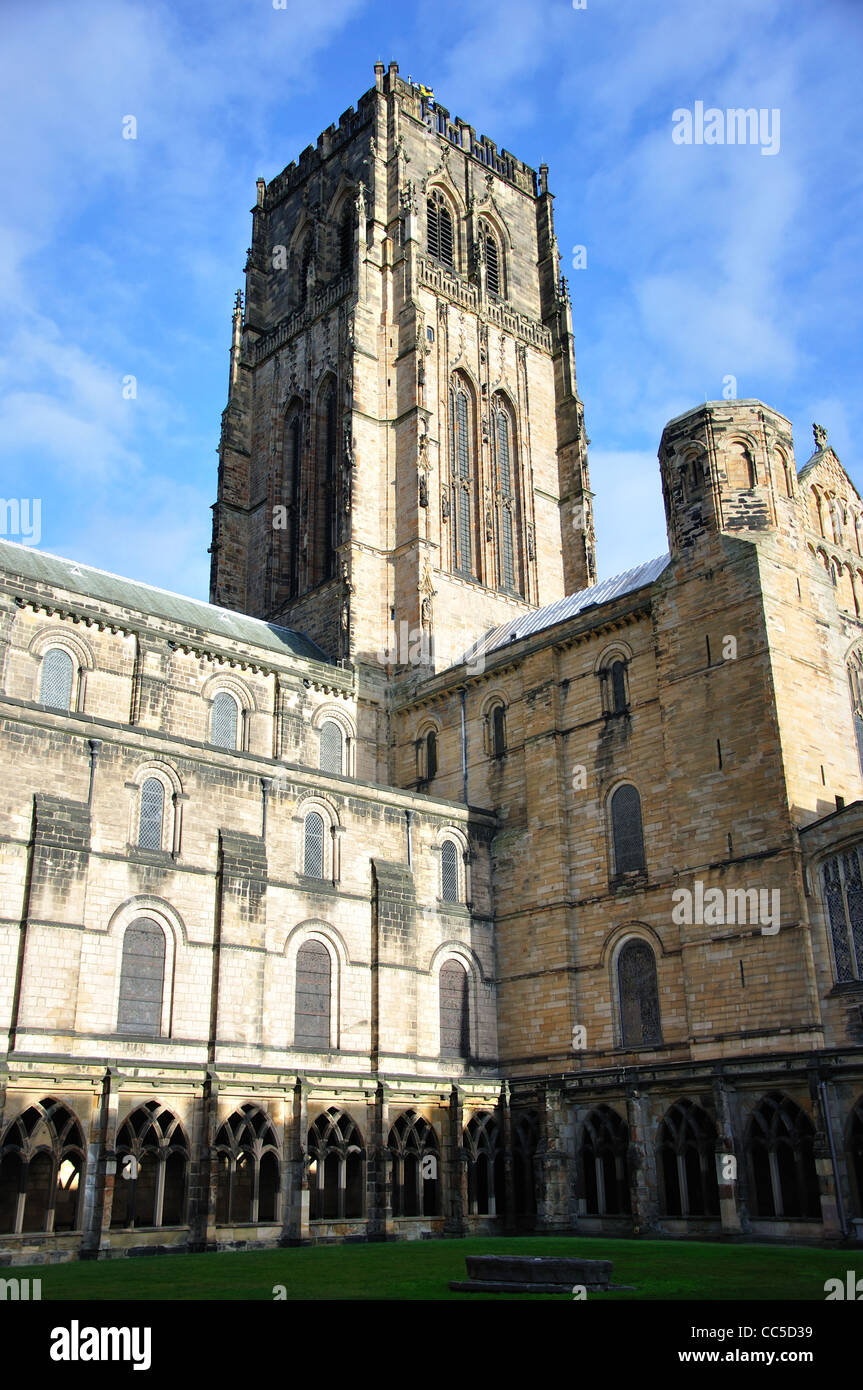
728, 1157
101, 1173
643, 1184
454, 1168
378, 1182
553, 1205
288, 1173
300, 1205
206, 1171
831, 1199
505, 1122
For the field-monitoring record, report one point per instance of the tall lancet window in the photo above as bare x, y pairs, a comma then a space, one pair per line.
507, 500
855, 678
322, 559
439, 229
493, 276
292, 486
463, 479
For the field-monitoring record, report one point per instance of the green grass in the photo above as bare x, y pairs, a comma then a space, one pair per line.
422, 1270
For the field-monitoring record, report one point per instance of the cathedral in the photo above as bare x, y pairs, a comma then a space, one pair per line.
420, 884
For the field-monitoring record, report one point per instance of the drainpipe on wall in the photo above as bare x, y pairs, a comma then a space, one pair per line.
409, 815
95, 744
463, 695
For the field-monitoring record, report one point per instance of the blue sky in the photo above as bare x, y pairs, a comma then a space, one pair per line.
121, 257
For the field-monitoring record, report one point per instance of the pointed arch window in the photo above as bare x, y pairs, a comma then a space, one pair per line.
439, 229
306, 257
415, 1163
152, 814
152, 1166
463, 480
507, 500
486, 1184
638, 993
604, 1163
57, 676
781, 1139
842, 882
687, 1162
142, 979
855, 680
324, 508
41, 1170
313, 996
292, 487
491, 250
336, 1159
247, 1154
346, 237
525, 1141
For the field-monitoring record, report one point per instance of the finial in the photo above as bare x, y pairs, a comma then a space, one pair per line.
820, 436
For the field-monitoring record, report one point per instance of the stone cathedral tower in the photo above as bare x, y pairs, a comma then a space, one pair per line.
403, 452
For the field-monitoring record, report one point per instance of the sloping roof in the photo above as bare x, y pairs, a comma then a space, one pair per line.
527, 623
205, 618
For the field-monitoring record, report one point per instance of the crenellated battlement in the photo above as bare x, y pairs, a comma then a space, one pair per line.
313, 156
418, 106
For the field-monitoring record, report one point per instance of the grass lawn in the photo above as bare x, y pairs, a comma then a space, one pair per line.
664, 1269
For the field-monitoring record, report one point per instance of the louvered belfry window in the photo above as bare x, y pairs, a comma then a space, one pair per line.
331, 747
55, 688
626, 830
449, 872
142, 979
440, 232
152, 811
223, 721
312, 1017
313, 845
492, 262
454, 1010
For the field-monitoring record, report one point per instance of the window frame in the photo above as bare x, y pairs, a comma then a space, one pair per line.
301, 1044
620, 875
437, 200
624, 947
143, 918
74, 677
240, 726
